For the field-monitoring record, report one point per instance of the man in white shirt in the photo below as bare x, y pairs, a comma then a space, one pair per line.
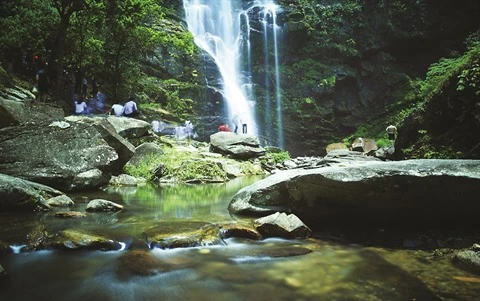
130, 108
391, 131
117, 109
80, 107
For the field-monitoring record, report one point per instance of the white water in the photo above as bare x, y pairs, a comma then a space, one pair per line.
222, 29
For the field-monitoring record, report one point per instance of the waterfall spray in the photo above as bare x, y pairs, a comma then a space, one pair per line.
221, 28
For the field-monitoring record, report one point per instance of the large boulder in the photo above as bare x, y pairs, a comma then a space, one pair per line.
18, 106
240, 146
406, 192
122, 146
21, 195
143, 151
67, 156
128, 128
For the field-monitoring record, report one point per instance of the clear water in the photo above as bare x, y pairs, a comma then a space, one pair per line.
241, 270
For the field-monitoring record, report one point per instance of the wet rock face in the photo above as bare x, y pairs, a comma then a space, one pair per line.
18, 106
55, 156
22, 195
417, 191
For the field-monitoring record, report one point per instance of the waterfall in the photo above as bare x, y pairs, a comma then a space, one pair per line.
222, 29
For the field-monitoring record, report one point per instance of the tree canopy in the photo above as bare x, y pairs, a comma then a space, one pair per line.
103, 40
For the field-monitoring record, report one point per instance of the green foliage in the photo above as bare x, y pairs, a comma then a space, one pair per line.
145, 168
276, 156
27, 26
248, 168
426, 148
185, 166
470, 78
383, 142
465, 68
330, 24
202, 170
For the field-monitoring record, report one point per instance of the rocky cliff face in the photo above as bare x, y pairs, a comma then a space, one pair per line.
347, 63
344, 63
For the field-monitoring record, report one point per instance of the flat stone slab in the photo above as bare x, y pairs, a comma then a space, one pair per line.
406, 192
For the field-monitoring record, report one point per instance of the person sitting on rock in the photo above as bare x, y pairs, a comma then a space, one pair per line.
130, 108
81, 107
117, 110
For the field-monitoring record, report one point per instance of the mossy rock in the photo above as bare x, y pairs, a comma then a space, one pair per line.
183, 235
77, 240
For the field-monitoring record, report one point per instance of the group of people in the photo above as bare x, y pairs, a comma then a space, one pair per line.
237, 122
96, 105
92, 105
129, 109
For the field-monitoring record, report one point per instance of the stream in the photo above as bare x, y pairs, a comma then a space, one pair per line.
339, 267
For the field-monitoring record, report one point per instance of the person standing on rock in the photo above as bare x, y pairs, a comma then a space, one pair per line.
42, 83
236, 122
391, 131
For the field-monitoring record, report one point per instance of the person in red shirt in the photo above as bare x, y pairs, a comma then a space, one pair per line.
223, 128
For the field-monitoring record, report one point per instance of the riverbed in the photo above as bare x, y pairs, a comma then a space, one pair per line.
374, 265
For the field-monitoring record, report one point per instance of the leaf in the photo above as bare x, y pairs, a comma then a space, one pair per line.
467, 279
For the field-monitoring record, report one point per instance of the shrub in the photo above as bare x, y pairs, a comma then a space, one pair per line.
145, 168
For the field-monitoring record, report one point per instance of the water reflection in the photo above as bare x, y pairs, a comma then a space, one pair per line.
273, 269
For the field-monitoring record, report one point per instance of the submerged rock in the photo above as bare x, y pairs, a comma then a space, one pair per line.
102, 205
60, 201
70, 214
36, 238
183, 235
275, 252
76, 240
142, 263
123, 180
239, 231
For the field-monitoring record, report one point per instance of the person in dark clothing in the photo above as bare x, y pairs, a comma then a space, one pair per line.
42, 84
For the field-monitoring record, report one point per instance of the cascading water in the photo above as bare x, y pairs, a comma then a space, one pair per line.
222, 29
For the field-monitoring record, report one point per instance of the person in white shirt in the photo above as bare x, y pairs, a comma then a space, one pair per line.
80, 106
391, 131
117, 110
130, 108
